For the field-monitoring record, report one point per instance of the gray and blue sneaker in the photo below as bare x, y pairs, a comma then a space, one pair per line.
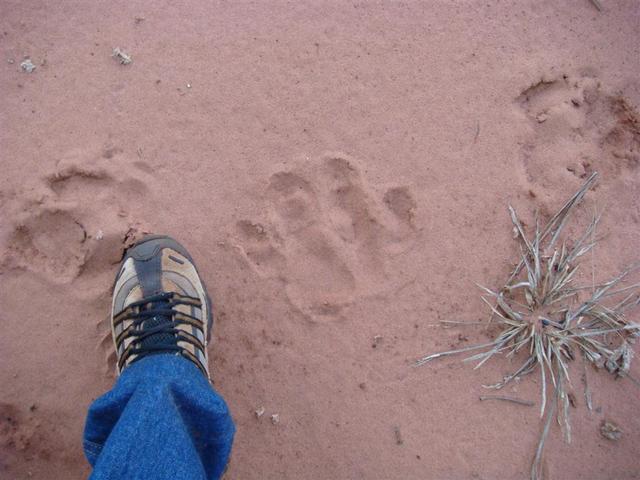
160, 305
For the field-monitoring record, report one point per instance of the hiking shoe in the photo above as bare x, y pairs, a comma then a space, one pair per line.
160, 305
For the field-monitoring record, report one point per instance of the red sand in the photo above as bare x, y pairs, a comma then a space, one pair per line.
339, 171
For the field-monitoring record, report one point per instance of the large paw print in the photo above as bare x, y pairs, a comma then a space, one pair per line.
577, 127
74, 220
326, 237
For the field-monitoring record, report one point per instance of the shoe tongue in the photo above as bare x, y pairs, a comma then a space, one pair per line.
160, 338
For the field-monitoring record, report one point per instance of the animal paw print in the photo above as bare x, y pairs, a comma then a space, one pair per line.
74, 221
326, 236
578, 127
49, 240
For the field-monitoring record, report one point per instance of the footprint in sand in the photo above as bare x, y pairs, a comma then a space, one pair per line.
74, 221
577, 127
327, 238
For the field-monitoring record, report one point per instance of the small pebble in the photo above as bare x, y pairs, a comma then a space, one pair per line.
398, 435
122, 57
99, 235
610, 431
27, 66
275, 418
542, 117
259, 412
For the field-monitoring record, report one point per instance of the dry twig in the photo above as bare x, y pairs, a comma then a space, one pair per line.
526, 403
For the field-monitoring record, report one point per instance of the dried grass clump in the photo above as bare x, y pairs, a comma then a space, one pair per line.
539, 313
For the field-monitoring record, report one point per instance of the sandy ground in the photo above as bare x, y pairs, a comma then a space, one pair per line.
339, 171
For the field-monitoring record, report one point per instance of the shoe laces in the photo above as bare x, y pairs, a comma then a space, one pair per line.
154, 328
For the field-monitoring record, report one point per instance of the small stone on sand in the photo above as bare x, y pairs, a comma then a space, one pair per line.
610, 431
542, 117
398, 435
27, 66
121, 56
